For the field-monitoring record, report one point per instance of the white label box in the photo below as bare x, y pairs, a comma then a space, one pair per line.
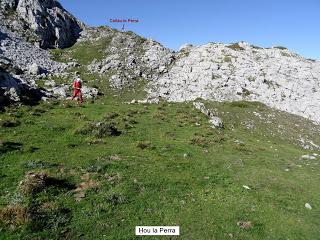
157, 230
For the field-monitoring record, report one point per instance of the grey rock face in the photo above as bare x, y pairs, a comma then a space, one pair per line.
222, 72
44, 22
23, 54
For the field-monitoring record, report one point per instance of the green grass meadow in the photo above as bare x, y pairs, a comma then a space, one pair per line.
167, 167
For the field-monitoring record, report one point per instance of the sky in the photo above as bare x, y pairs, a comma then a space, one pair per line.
294, 24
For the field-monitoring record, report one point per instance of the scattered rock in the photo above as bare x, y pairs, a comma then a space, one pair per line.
62, 91
186, 46
308, 206
244, 225
230, 235
215, 121
73, 64
79, 196
239, 142
115, 157
309, 156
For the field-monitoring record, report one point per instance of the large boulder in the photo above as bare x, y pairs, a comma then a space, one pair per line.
14, 89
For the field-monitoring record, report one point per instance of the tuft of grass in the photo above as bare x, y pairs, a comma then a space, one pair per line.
143, 144
99, 129
251, 79
240, 104
199, 141
33, 183
116, 199
14, 216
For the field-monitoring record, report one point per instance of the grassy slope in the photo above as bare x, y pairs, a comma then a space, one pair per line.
201, 192
186, 174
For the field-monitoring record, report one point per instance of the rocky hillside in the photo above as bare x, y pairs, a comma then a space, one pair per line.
274, 76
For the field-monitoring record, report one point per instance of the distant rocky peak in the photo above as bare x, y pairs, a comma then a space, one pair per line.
44, 22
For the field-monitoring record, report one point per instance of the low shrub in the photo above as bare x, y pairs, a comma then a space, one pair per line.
9, 122
235, 47
99, 129
9, 146
280, 47
227, 59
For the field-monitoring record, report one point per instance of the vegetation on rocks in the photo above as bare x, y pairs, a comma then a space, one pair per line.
235, 46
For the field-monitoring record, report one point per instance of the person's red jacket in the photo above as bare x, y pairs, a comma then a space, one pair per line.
77, 85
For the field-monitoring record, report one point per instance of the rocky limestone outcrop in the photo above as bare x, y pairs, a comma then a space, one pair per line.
128, 56
43, 22
233, 72
13, 88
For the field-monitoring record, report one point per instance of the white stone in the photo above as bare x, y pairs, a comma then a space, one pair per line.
34, 69
308, 206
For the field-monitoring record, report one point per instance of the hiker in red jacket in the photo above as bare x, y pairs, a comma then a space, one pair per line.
77, 90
